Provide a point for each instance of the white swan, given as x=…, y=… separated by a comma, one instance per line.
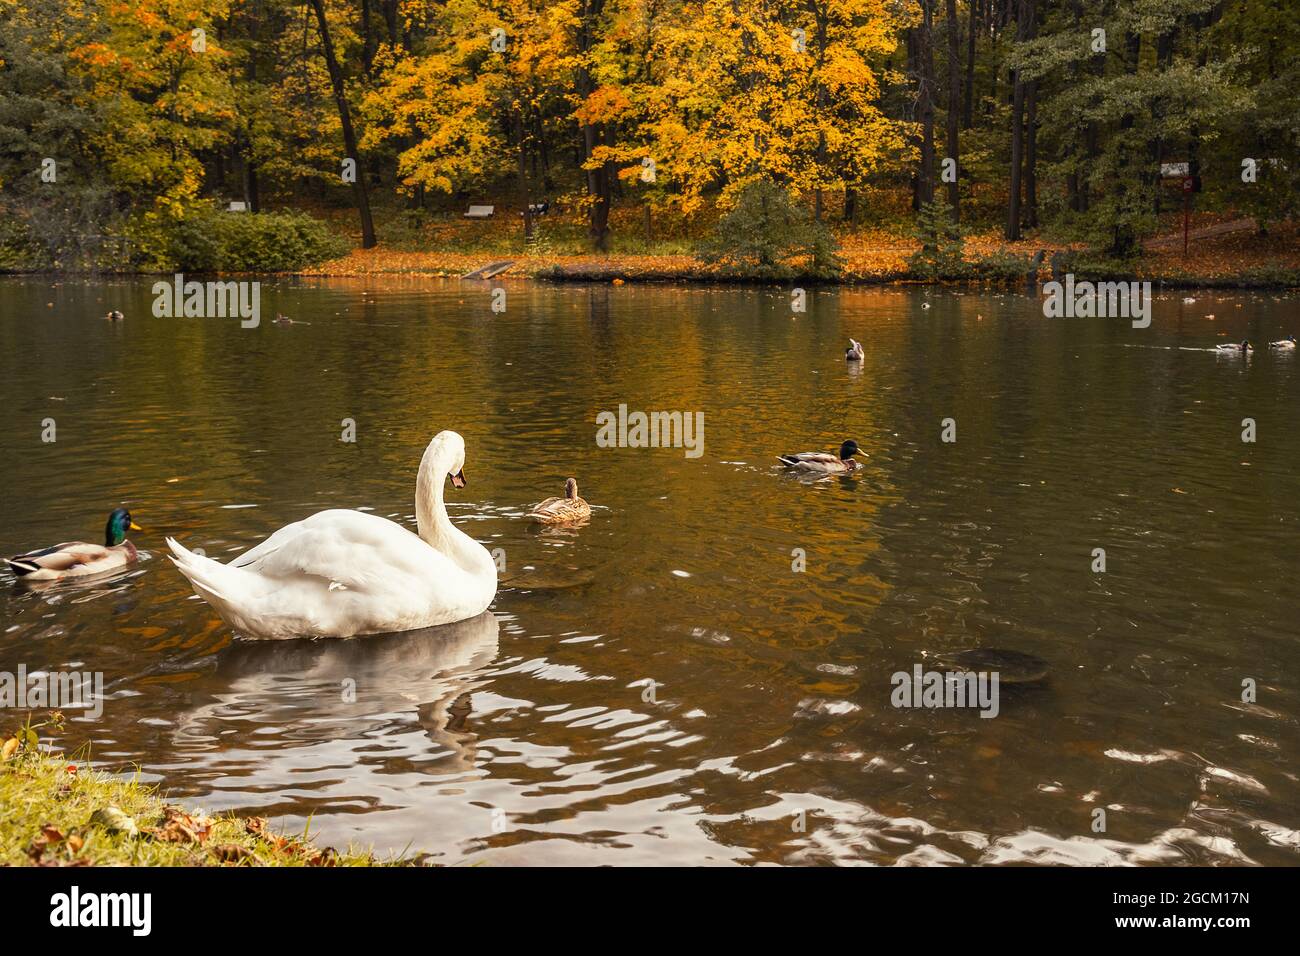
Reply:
x=340, y=573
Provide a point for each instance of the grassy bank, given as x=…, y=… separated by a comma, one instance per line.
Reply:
x=876, y=254
x=1223, y=251
x=58, y=811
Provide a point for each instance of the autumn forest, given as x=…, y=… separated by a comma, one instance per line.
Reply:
x=126, y=127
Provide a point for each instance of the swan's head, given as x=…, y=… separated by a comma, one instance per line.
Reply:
x=448, y=449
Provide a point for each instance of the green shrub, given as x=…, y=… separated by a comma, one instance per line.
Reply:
x=1001, y=266
x=20, y=251
x=275, y=242
x=942, y=244
x=211, y=240
x=768, y=235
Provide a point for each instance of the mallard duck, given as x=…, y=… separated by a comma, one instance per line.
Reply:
x=854, y=352
x=1243, y=348
x=823, y=463
x=115, y=316
x=1286, y=343
x=75, y=559
x=341, y=573
x=564, y=510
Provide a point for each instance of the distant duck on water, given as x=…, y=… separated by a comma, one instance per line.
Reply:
x=1243, y=348
x=824, y=463
x=78, y=558
x=1287, y=343
x=854, y=352
x=115, y=316
x=566, y=510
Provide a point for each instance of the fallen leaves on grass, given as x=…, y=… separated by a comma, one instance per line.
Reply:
x=326, y=857
x=177, y=826
x=52, y=847
x=232, y=853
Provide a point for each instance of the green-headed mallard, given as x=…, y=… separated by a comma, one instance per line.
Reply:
x=564, y=510
x=824, y=463
x=74, y=559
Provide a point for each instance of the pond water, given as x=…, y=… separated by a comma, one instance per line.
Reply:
x=662, y=686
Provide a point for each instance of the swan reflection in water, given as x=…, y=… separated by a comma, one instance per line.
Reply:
x=289, y=694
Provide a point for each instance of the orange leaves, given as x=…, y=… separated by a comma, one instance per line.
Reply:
x=52, y=847
x=606, y=104
x=177, y=826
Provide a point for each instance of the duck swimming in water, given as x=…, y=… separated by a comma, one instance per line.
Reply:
x=566, y=510
x=824, y=463
x=1287, y=343
x=115, y=316
x=74, y=559
x=1243, y=348
x=854, y=352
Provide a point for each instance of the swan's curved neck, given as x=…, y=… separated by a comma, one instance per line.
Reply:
x=434, y=527
x=430, y=511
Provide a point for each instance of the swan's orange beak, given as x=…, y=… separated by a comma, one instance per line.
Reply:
x=458, y=479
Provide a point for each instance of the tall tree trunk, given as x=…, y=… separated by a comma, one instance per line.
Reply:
x=252, y=192
x=599, y=187
x=1124, y=240
x=367, y=38
x=345, y=120
x=972, y=27
x=925, y=104
x=1074, y=184
x=954, y=105
x=389, y=7
x=1031, y=156
x=1024, y=18
x=525, y=192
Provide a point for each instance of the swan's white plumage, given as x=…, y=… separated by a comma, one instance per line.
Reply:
x=340, y=573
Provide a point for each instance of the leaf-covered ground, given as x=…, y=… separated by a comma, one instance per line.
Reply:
x=58, y=812
x=870, y=255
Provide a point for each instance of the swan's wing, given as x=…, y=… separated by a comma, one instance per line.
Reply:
x=349, y=548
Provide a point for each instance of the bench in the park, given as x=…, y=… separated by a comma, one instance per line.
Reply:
x=480, y=212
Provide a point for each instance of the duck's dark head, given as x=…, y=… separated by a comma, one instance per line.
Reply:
x=571, y=488
x=849, y=449
x=119, y=523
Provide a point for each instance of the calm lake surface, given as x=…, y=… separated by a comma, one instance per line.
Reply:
x=660, y=686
